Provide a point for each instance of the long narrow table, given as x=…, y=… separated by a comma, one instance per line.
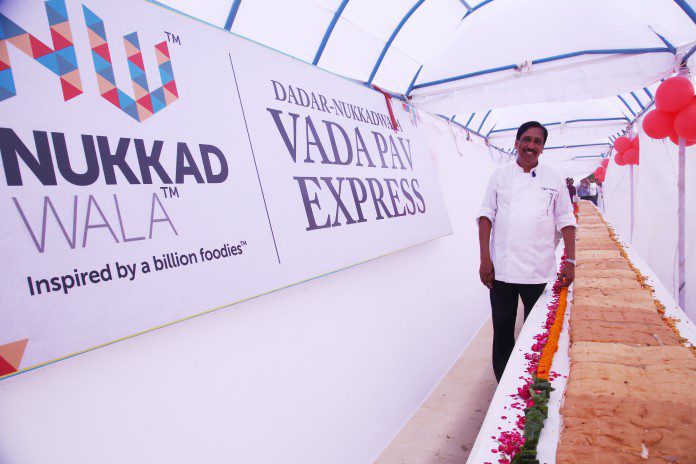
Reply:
x=502, y=416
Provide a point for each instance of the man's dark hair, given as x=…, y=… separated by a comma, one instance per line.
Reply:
x=528, y=125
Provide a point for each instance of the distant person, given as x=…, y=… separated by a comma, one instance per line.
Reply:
x=571, y=189
x=573, y=193
x=600, y=196
x=524, y=205
x=583, y=189
x=592, y=192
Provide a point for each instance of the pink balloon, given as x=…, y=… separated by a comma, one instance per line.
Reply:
x=622, y=144
x=675, y=140
x=674, y=94
x=685, y=123
x=619, y=159
x=631, y=156
x=605, y=163
x=658, y=124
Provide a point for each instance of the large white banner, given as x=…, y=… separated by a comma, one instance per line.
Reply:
x=156, y=168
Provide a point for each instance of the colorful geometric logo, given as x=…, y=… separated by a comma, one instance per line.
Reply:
x=62, y=61
x=11, y=356
x=146, y=103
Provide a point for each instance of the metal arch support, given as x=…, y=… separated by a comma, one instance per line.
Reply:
x=669, y=45
x=578, y=146
x=608, y=51
x=688, y=54
x=647, y=92
x=635, y=97
x=403, y=21
x=687, y=9
x=627, y=105
x=413, y=81
x=329, y=30
x=457, y=123
x=484, y=121
x=484, y=3
x=232, y=14
x=618, y=51
x=567, y=122
x=469, y=10
x=469, y=121
x=597, y=120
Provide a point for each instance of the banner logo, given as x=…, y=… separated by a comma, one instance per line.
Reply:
x=62, y=61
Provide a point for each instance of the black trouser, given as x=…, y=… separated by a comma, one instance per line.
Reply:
x=504, y=298
x=592, y=198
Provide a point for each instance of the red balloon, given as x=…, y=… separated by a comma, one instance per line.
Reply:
x=635, y=142
x=685, y=123
x=622, y=144
x=631, y=156
x=600, y=173
x=658, y=124
x=674, y=94
x=619, y=159
x=605, y=163
x=675, y=140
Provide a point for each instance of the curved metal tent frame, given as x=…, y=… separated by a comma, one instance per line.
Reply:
x=395, y=29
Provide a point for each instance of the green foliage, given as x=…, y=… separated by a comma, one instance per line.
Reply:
x=534, y=416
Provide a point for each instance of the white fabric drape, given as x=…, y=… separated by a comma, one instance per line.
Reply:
x=655, y=233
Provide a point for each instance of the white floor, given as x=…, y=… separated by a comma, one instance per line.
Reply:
x=443, y=430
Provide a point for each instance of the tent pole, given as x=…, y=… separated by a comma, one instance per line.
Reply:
x=681, y=209
x=681, y=213
x=633, y=196
x=633, y=205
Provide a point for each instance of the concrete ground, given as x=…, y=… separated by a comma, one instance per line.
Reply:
x=444, y=428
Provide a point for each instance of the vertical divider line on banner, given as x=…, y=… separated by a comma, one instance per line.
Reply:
x=681, y=213
x=253, y=155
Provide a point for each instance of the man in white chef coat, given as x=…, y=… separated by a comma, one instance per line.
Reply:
x=525, y=204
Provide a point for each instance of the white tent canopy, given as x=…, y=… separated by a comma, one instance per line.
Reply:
x=585, y=69
x=329, y=369
x=513, y=52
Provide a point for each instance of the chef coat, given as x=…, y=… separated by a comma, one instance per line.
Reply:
x=526, y=210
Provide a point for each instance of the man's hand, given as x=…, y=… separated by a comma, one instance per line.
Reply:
x=567, y=273
x=486, y=272
x=568, y=269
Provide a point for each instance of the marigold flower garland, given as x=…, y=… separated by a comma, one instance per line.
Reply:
x=544, y=367
x=670, y=321
x=517, y=447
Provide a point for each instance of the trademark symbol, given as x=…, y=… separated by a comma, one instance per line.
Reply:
x=173, y=38
x=242, y=243
x=170, y=192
